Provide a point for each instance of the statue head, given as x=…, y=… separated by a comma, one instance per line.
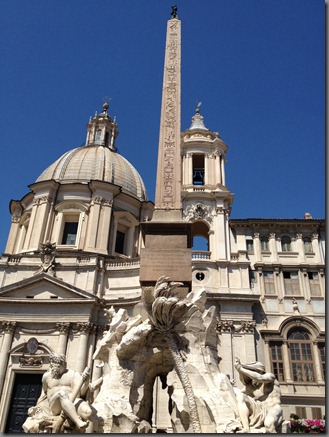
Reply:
x=57, y=364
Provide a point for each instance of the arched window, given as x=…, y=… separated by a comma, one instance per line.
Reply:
x=264, y=244
x=200, y=236
x=301, y=357
x=98, y=136
x=200, y=243
x=198, y=169
x=286, y=244
x=308, y=245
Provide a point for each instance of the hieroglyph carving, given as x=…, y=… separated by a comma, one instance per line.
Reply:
x=170, y=115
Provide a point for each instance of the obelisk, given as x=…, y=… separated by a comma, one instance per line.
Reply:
x=167, y=238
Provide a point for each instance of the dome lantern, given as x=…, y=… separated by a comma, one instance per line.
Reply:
x=102, y=130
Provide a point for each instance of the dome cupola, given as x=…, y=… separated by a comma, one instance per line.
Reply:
x=102, y=130
x=98, y=159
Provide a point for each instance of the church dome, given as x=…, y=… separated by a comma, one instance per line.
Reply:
x=88, y=163
x=98, y=159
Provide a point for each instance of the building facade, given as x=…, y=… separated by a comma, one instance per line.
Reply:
x=74, y=248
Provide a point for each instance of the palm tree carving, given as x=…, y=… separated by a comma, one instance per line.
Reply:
x=168, y=314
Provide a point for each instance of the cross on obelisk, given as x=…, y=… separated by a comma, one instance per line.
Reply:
x=167, y=237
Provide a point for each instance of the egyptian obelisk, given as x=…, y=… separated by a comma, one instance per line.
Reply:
x=167, y=237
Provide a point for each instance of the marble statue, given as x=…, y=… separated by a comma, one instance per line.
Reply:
x=63, y=404
x=176, y=341
x=169, y=347
x=259, y=402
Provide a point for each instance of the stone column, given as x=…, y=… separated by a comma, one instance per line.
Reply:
x=103, y=232
x=220, y=228
x=257, y=247
x=216, y=166
x=267, y=356
x=84, y=329
x=130, y=240
x=42, y=213
x=227, y=235
x=272, y=247
x=114, y=235
x=63, y=329
x=207, y=172
x=286, y=362
x=93, y=221
x=315, y=245
x=9, y=329
x=222, y=169
x=300, y=247
x=16, y=210
x=317, y=363
x=30, y=228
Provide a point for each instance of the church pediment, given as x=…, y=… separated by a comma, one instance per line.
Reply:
x=44, y=287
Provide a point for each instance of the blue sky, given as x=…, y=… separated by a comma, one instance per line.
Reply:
x=257, y=66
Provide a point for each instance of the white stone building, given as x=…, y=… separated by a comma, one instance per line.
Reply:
x=265, y=276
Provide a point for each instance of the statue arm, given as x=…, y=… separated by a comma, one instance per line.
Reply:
x=76, y=383
x=266, y=377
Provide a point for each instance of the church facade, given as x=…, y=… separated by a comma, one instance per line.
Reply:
x=74, y=250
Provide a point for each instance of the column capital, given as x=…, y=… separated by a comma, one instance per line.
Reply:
x=63, y=327
x=8, y=327
x=85, y=327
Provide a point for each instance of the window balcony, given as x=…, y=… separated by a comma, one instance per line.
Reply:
x=200, y=254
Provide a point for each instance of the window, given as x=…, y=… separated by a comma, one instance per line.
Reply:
x=286, y=244
x=123, y=237
x=107, y=137
x=200, y=235
x=313, y=278
x=200, y=243
x=252, y=278
x=264, y=244
x=198, y=169
x=301, y=412
x=200, y=276
x=120, y=242
x=68, y=224
x=300, y=349
x=70, y=233
x=269, y=283
x=250, y=246
x=316, y=413
x=277, y=360
x=322, y=350
x=98, y=136
x=308, y=248
x=291, y=283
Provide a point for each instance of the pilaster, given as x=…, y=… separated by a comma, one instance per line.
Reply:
x=8, y=329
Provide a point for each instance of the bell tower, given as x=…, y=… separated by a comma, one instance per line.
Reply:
x=206, y=201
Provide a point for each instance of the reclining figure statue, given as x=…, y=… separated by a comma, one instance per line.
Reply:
x=64, y=403
x=259, y=402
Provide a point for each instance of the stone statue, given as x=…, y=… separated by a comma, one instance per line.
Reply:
x=259, y=402
x=173, y=338
x=47, y=254
x=64, y=404
x=174, y=11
